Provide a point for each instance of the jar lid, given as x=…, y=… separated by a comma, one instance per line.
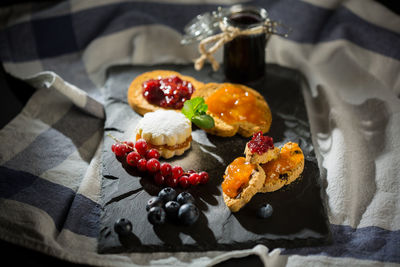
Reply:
x=203, y=26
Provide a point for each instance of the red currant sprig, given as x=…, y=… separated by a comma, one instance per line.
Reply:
x=138, y=155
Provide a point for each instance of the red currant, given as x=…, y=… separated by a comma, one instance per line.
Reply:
x=184, y=181
x=171, y=181
x=141, y=165
x=194, y=179
x=132, y=158
x=191, y=171
x=141, y=146
x=165, y=169
x=129, y=146
x=153, y=165
x=113, y=147
x=152, y=154
x=177, y=171
x=119, y=150
x=159, y=179
x=204, y=177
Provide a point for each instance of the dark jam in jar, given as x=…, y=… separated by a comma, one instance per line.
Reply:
x=244, y=56
x=169, y=92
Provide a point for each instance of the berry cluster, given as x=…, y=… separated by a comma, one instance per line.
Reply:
x=146, y=160
x=176, y=208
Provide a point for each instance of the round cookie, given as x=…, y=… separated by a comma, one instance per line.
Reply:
x=135, y=91
x=166, y=130
x=244, y=128
x=285, y=169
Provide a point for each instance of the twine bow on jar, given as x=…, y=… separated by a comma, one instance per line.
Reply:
x=228, y=33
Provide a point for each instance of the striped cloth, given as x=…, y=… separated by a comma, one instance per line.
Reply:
x=50, y=154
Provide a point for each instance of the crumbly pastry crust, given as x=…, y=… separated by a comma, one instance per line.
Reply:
x=259, y=182
x=254, y=158
x=285, y=178
x=135, y=90
x=256, y=181
x=244, y=128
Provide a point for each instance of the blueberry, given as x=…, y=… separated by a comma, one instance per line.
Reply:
x=172, y=208
x=185, y=197
x=156, y=215
x=188, y=214
x=167, y=194
x=154, y=202
x=123, y=226
x=265, y=211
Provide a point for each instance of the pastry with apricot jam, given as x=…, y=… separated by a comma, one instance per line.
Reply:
x=160, y=89
x=242, y=180
x=285, y=169
x=235, y=108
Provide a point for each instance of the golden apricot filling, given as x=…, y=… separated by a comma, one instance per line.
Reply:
x=163, y=147
x=234, y=104
x=237, y=175
x=290, y=156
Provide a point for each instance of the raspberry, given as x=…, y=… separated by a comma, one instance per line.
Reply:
x=132, y=158
x=204, y=177
x=141, y=165
x=141, y=146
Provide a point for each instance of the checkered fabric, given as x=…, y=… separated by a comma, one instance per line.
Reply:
x=50, y=154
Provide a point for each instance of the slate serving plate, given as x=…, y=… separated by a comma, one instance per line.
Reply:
x=299, y=217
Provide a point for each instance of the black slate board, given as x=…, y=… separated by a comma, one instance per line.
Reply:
x=299, y=217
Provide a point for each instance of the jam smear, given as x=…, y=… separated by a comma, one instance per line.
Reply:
x=237, y=175
x=169, y=92
x=260, y=144
x=289, y=157
x=233, y=104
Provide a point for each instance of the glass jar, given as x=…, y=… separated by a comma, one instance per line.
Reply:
x=244, y=56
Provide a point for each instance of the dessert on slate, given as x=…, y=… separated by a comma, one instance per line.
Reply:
x=285, y=169
x=167, y=131
x=160, y=89
x=235, y=109
x=264, y=169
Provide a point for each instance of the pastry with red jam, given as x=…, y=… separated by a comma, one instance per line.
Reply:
x=160, y=89
x=260, y=149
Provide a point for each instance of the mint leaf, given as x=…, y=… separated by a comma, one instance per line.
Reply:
x=203, y=121
x=188, y=110
x=195, y=110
